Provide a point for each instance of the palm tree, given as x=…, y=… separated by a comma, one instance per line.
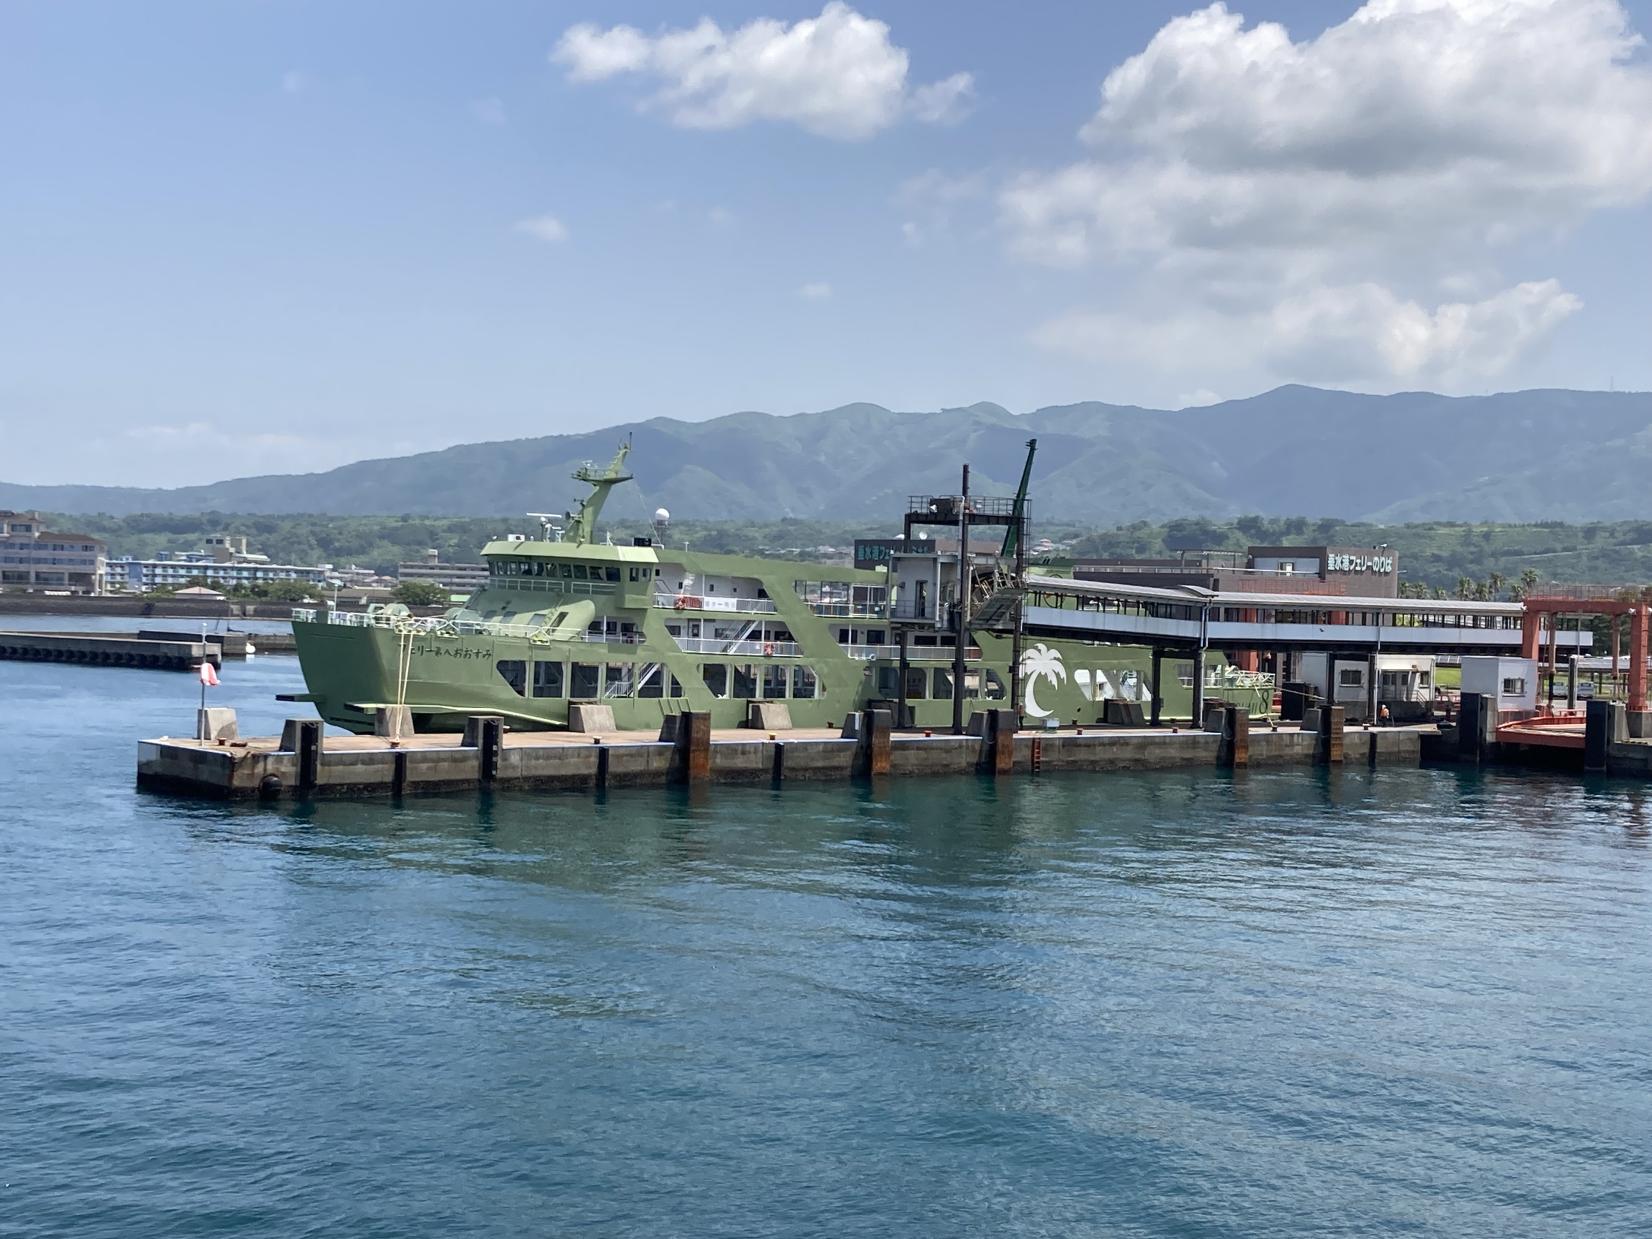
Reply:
x=1040, y=662
x=1465, y=588
x=1495, y=583
x=1528, y=582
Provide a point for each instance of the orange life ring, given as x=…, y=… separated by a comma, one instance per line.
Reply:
x=768, y=649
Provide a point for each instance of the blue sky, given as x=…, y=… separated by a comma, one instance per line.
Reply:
x=263, y=237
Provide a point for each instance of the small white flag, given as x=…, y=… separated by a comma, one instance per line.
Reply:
x=209, y=674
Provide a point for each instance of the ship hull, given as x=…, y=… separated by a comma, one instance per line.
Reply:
x=354, y=672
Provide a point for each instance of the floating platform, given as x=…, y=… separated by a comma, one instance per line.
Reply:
x=302, y=763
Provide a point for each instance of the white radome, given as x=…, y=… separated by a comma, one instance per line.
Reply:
x=661, y=516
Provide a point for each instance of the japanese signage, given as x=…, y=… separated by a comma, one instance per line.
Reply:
x=1359, y=563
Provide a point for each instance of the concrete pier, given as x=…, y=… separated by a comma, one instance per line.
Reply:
x=303, y=763
x=108, y=650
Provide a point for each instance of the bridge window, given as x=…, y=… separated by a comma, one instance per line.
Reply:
x=611, y=572
x=619, y=681
x=943, y=684
x=745, y=683
x=995, y=687
x=774, y=682
x=916, y=682
x=804, y=684
x=716, y=678
x=587, y=681
x=549, y=679
x=514, y=671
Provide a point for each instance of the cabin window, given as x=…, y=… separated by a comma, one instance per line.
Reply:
x=1424, y=680
x=745, y=682
x=514, y=671
x=611, y=572
x=804, y=684
x=620, y=680
x=876, y=636
x=774, y=681
x=587, y=681
x=567, y=571
x=579, y=572
x=943, y=685
x=1514, y=686
x=549, y=680
x=716, y=678
x=651, y=681
x=1350, y=677
x=632, y=574
x=889, y=681
x=916, y=682
x=676, y=687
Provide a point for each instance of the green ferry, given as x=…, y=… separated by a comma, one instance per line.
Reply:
x=650, y=630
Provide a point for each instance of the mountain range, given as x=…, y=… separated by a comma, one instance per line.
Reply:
x=1514, y=456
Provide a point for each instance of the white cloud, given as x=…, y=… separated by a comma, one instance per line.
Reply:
x=931, y=199
x=1252, y=178
x=546, y=228
x=1198, y=399
x=945, y=102
x=836, y=75
x=489, y=111
x=816, y=291
x=1329, y=334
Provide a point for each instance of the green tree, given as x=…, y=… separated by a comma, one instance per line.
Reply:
x=421, y=594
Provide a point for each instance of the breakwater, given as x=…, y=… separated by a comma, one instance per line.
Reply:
x=154, y=652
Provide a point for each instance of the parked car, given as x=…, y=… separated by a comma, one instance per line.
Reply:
x=1557, y=688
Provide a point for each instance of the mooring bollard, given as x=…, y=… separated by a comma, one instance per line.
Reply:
x=1328, y=748
x=1234, y=749
x=303, y=737
x=486, y=734
x=692, y=759
x=875, y=739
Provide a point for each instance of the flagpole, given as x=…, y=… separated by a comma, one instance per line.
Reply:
x=200, y=715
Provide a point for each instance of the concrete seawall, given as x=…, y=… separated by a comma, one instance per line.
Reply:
x=302, y=764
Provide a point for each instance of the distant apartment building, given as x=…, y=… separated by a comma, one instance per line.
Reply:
x=33, y=557
x=224, y=562
x=455, y=578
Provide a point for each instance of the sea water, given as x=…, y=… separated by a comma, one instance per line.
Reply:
x=1271, y=1003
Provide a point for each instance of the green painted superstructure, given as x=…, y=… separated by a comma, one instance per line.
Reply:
x=648, y=630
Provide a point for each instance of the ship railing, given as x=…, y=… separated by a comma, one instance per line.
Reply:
x=916, y=653
x=702, y=602
x=442, y=626
x=549, y=585
x=754, y=649
x=849, y=610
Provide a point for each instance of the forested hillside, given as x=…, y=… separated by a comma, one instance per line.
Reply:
x=1437, y=555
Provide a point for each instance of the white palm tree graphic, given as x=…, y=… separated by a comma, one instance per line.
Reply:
x=1041, y=663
